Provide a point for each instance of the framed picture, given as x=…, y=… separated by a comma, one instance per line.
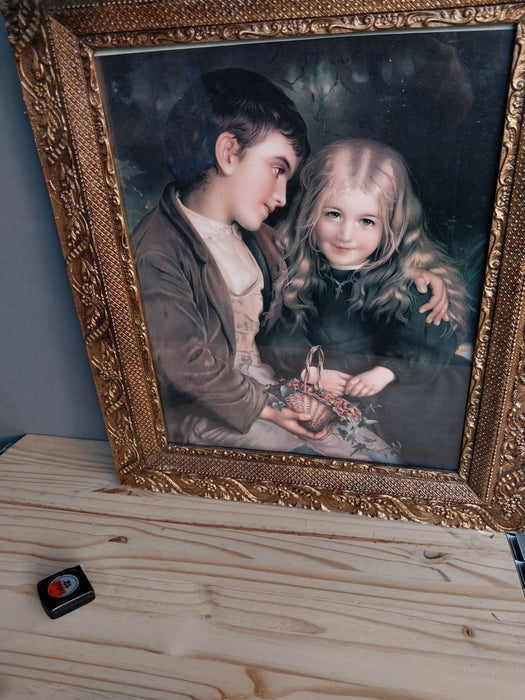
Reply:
x=294, y=235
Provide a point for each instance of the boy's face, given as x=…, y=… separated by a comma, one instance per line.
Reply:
x=257, y=183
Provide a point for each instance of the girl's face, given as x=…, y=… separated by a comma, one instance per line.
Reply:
x=349, y=229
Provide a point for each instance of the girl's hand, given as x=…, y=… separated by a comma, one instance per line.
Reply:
x=290, y=421
x=330, y=380
x=437, y=305
x=370, y=382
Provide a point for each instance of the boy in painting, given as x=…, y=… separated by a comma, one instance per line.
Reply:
x=205, y=262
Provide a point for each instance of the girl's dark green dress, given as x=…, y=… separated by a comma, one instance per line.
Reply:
x=423, y=410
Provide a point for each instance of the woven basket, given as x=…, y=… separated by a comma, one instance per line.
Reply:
x=304, y=401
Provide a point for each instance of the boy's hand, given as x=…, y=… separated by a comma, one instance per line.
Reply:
x=330, y=380
x=437, y=305
x=290, y=420
x=370, y=382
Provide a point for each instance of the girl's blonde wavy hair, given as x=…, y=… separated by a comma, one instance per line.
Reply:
x=382, y=291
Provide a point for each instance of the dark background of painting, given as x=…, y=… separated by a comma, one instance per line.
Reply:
x=439, y=97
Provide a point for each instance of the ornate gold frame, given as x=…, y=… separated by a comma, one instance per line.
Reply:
x=54, y=43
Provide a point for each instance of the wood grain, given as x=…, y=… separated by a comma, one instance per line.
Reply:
x=207, y=599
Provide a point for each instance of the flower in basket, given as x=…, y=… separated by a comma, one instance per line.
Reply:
x=323, y=406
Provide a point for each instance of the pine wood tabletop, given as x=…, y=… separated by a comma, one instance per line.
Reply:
x=206, y=600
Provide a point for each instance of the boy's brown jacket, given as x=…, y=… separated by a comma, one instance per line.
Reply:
x=189, y=320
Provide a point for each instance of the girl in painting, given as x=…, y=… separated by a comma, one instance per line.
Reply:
x=353, y=240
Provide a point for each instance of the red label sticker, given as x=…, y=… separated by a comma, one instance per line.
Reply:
x=62, y=585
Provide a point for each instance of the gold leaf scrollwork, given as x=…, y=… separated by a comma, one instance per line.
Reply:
x=25, y=31
x=509, y=498
x=22, y=18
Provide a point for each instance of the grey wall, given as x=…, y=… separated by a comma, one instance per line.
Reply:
x=46, y=385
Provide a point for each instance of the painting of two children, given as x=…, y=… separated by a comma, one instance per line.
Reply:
x=232, y=305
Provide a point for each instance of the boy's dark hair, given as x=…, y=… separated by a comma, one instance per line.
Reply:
x=239, y=101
